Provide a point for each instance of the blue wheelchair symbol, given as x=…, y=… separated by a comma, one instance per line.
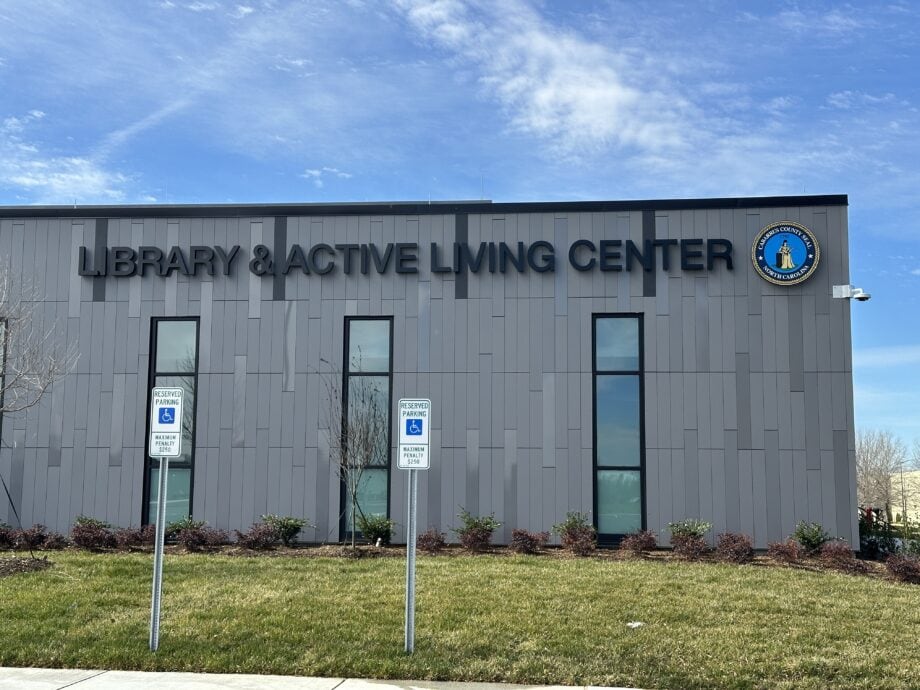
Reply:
x=414, y=427
x=167, y=415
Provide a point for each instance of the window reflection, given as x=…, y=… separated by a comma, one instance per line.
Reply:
x=617, y=415
x=176, y=346
x=372, y=495
x=178, y=493
x=368, y=403
x=175, y=351
x=617, y=346
x=619, y=501
x=368, y=346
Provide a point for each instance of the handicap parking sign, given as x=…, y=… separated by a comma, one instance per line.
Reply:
x=414, y=427
x=167, y=415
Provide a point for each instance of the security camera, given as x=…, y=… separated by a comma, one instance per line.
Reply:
x=851, y=292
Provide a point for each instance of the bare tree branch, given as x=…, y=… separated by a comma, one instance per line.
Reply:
x=358, y=434
x=880, y=458
x=32, y=357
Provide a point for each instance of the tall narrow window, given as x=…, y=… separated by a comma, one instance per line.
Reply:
x=619, y=453
x=366, y=392
x=173, y=364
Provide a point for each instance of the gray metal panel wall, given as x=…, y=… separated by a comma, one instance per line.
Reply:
x=745, y=423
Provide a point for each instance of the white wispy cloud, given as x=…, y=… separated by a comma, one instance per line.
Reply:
x=574, y=94
x=892, y=356
x=850, y=99
x=123, y=135
x=838, y=21
x=316, y=175
x=915, y=272
x=241, y=11
x=42, y=177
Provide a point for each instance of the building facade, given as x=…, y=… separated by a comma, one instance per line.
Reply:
x=639, y=361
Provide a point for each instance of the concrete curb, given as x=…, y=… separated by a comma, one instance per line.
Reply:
x=58, y=679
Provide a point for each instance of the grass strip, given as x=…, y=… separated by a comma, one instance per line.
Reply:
x=511, y=619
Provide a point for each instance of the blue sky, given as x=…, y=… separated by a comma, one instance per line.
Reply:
x=180, y=101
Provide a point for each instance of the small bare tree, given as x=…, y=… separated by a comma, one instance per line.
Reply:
x=879, y=457
x=32, y=355
x=31, y=358
x=357, y=425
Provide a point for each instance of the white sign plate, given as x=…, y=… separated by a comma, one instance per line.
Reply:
x=413, y=457
x=166, y=423
x=414, y=424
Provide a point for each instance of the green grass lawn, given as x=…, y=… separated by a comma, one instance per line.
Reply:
x=487, y=618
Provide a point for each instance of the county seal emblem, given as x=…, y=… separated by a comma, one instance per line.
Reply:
x=785, y=253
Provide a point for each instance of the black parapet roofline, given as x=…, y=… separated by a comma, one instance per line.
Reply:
x=412, y=208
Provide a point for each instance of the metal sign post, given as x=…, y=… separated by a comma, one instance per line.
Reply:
x=411, y=537
x=414, y=424
x=158, y=557
x=165, y=443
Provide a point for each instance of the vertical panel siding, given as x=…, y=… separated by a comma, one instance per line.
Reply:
x=748, y=390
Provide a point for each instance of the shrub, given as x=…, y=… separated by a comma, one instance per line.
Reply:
x=577, y=534
x=876, y=534
x=37, y=537
x=54, y=542
x=904, y=568
x=910, y=547
x=639, y=543
x=735, y=548
x=6, y=536
x=173, y=528
x=90, y=533
x=375, y=527
x=260, y=536
x=201, y=538
x=838, y=554
x=288, y=527
x=690, y=527
x=476, y=532
x=688, y=538
x=811, y=535
x=788, y=551
x=31, y=538
x=431, y=541
x=690, y=547
x=523, y=541
x=136, y=537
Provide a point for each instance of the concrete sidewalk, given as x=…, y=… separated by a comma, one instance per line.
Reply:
x=57, y=679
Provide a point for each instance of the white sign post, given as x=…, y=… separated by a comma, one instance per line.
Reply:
x=165, y=443
x=414, y=427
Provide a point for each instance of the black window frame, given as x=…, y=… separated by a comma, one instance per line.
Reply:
x=612, y=539
x=152, y=374
x=347, y=374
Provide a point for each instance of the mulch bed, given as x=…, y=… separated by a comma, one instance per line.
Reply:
x=872, y=569
x=12, y=566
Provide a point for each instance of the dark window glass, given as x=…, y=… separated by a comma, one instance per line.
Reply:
x=619, y=501
x=369, y=346
x=187, y=384
x=617, y=413
x=617, y=347
x=367, y=397
x=618, y=453
x=174, y=360
x=372, y=495
x=178, y=492
x=369, y=402
x=176, y=346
